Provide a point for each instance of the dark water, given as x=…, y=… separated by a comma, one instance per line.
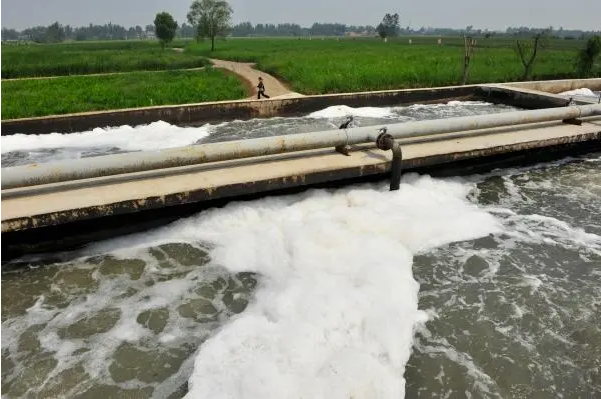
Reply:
x=519, y=313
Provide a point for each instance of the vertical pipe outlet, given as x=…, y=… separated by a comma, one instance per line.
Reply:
x=386, y=142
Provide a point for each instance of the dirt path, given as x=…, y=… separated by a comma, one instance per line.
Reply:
x=246, y=70
x=273, y=87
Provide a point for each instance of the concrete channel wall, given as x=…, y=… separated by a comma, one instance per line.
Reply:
x=212, y=112
x=558, y=86
x=61, y=217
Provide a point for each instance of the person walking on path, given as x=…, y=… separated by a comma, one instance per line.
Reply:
x=261, y=88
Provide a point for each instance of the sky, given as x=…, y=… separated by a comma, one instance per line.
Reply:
x=482, y=14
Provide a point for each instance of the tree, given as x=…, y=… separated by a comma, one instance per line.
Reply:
x=9, y=34
x=165, y=28
x=469, y=43
x=527, y=51
x=389, y=26
x=588, y=55
x=55, y=33
x=211, y=18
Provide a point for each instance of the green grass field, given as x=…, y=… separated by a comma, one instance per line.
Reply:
x=78, y=58
x=39, y=97
x=308, y=66
x=346, y=65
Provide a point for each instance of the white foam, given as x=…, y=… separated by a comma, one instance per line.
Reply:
x=584, y=92
x=337, y=303
x=452, y=104
x=153, y=136
x=339, y=111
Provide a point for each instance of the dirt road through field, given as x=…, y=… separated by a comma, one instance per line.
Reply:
x=273, y=87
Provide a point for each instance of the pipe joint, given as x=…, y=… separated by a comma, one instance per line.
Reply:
x=384, y=141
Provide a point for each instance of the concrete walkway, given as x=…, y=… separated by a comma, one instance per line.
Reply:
x=273, y=87
x=196, y=183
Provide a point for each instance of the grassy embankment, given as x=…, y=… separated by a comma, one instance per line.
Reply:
x=68, y=94
x=39, y=97
x=330, y=66
x=80, y=58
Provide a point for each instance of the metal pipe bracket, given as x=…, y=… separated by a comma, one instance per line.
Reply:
x=384, y=141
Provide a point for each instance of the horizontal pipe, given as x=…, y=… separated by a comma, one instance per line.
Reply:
x=158, y=173
x=107, y=165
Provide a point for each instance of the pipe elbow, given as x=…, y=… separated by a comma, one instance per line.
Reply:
x=396, y=148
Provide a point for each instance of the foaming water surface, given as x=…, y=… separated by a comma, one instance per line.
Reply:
x=21, y=149
x=483, y=286
x=518, y=314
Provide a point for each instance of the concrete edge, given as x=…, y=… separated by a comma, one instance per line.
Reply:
x=218, y=111
x=526, y=98
x=285, y=182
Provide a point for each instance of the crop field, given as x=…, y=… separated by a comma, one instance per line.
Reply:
x=346, y=65
x=78, y=58
x=317, y=66
x=39, y=97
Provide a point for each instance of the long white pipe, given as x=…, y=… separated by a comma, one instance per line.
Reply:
x=52, y=172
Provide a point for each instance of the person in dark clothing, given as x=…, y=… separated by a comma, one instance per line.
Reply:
x=261, y=91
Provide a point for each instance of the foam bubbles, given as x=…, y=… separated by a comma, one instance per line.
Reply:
x=451, y=107
x=339, y=111
x=146, y=137
x=335, y=313
x=584, y=92
x=336, y=306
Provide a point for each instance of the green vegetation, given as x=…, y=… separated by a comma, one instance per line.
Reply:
x=588, y=56
x=38, y=97
x=389, y=27
x=211, y=18
x=165, y=27
x=309, y=66
x=330, y=66
x=92, y=57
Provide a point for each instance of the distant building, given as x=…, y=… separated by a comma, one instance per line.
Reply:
x=357, y=34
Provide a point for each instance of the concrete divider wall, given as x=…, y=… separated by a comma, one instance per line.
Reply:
x=526, y=98
x=558, y=86
x=211, y=112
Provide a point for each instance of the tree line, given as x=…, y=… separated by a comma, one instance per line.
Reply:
x=212, y=18
x=57, y=32
x=247, y=29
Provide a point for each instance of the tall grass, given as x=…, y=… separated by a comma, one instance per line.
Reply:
x=40, y=97
x=92, y=57
x=330, y=65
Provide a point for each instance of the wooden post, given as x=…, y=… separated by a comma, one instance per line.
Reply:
x=469, y=43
